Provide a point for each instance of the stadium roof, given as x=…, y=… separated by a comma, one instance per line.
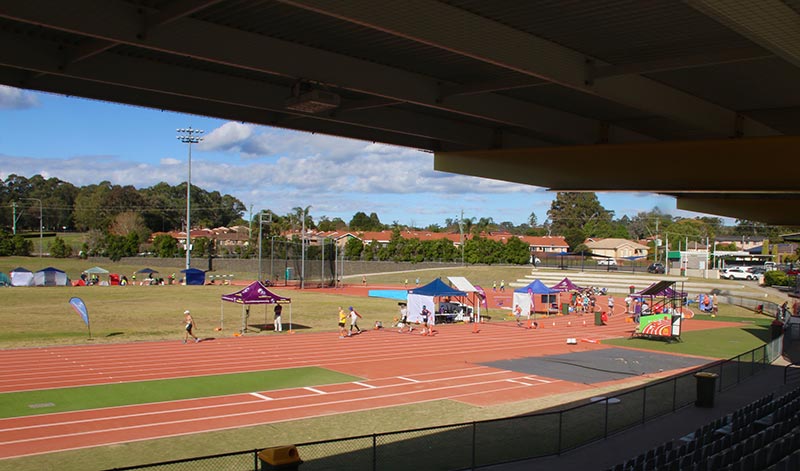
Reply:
x=677, y=98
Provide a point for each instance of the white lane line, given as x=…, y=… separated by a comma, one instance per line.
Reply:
x=519, y=382
x=365, y=385
x=279, y=409
x=261, y=396
x=191, y=408
x=537, y=379
x=408, y=379
x=308, y=388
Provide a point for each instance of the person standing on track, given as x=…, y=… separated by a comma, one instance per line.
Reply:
x=189, y=322
x=277, y=324
x=424, y=315
x=610, y=305
x=342, y=323
x=354, y=317
x=404, y=318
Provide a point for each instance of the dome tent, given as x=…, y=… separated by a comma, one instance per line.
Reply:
x=21, y=277
x=50, y=277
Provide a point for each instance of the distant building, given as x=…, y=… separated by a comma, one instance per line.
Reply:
x=743, y=243
x=616, y=248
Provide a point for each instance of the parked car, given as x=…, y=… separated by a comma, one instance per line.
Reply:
x=656, y=268
x=737, y=273
x=607, y=262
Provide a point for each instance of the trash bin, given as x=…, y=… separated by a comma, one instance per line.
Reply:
x=565, y=308
x=776, y=329
x=598, y=318
x=631, y=289
x=706, y=388
x=280, y=457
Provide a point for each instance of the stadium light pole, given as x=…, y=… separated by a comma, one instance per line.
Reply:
x=303, y=250
x=41, y=223
x=189, y=136
x=260, y=222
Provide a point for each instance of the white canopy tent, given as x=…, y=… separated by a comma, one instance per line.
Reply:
x=462, y=284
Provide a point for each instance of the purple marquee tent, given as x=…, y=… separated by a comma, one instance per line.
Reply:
x=566, y=285
x=254, y=293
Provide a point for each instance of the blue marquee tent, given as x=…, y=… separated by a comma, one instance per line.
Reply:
x=425, y=295
x=194, y=276
x=524, y=297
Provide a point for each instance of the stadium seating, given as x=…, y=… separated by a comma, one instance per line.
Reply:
x=763, y=435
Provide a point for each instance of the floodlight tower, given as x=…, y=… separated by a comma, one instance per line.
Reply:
x=189, y=136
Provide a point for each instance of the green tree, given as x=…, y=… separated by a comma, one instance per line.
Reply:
x=14, y=245
x=165, y=246
x=574, y=237
x=573, y=212
x=353, y=248
x=59, y=249
x=516, y=251
x=360, y=222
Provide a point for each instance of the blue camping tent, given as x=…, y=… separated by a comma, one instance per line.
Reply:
x=425, y=296
x=436, y=288
x=194, y=276
x=529, y=297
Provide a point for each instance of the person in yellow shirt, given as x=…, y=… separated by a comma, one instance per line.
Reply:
x=342, y=323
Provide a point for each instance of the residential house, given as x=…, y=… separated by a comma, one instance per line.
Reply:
x=617, y=248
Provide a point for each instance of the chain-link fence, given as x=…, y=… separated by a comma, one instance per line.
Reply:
x=477, y=444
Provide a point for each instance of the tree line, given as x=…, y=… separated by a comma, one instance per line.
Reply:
x=118, y=220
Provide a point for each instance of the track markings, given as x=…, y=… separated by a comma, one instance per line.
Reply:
x=314, y=390
x=408, y=379
x=261, y=396
x=365, y=385
x=540, y=380
x=519, y=382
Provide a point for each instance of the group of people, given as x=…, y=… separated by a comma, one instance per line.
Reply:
x=585, y=301
x=189, y=324
x=502, y=285
x=427, y=321
x=353, y=316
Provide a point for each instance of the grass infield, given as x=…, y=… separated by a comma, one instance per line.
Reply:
x=16, y=404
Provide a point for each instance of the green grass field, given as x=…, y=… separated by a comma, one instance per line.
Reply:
x=16, y=404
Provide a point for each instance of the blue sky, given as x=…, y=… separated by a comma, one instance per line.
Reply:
x=85, y=141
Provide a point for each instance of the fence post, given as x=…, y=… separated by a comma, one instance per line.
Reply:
x=719, y=385
x=738, y=369
x=560, y=425
x=605, y=427
x=674, y=393
x=474, y=443
x=255, y=459
x=644, y=403
x=374, y=452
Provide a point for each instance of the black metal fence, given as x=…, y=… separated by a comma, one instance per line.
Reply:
x=478, y=444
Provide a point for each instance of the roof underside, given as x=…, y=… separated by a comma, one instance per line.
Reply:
x=500, y=89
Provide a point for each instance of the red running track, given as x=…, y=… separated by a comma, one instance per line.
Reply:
x=396, y=369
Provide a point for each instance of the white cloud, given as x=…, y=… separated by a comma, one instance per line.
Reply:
x=15, y=99
x=228, y=137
